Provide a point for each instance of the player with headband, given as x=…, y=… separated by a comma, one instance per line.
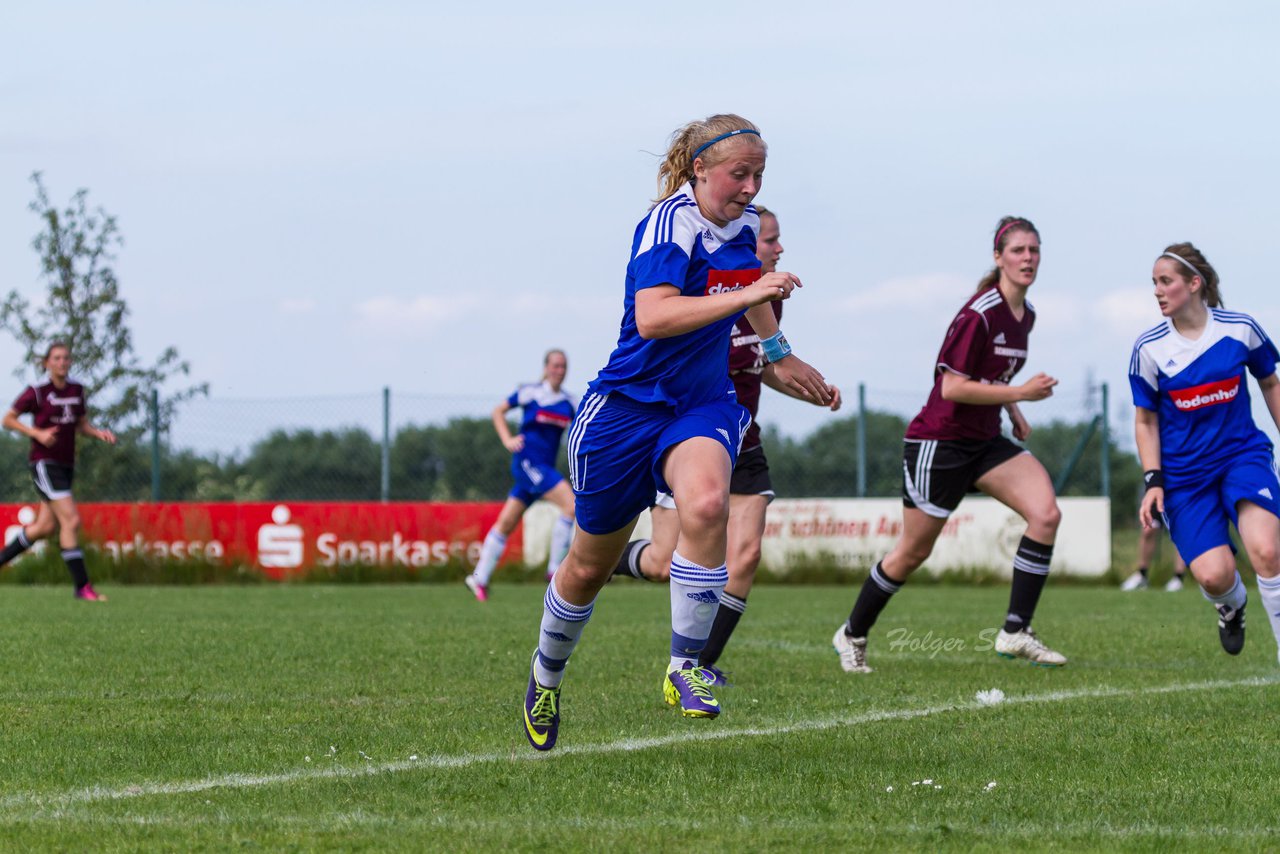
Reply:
x=954, y=446
x=1206, y=462
x=750, y=488
x=661, y=415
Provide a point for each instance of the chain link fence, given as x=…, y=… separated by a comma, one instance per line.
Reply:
x=397, y=446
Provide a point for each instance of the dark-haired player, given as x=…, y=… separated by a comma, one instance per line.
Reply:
x=954, y=447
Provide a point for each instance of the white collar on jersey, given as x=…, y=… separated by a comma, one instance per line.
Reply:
x=724, y=234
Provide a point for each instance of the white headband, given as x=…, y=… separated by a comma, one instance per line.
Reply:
x=1186, y=264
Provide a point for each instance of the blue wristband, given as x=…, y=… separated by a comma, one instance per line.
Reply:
x=775, y=347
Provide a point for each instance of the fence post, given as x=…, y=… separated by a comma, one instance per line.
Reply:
x=155, y=444
x=1106, y=442
x=386, y=443
x=862, y=440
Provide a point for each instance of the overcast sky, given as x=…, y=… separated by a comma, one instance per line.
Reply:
x=327, y=198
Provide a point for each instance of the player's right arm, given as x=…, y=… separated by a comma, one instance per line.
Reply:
x=1146, y=432
x=44, y=436
x=513, y=443
x=663, y=312
x=958, y=388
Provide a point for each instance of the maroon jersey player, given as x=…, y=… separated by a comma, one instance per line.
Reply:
x=56, y=405
x=954, y=447
x=750, y=486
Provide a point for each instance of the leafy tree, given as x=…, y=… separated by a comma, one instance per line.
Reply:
x=343, y=465
x=459, y=461
x=84, y=309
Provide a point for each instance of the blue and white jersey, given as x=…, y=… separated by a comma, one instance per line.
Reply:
x=544, y=416
x=1198, y=389
x=676, y=245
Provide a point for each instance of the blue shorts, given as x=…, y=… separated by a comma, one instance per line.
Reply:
x=616, y=447
x=533, y=480
x=1197, y=516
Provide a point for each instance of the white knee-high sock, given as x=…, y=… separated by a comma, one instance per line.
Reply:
x=561, y=534
x=494, y=545
x=695, y=597
x=562, y=626
x=1269, y=593
x=1234, y=598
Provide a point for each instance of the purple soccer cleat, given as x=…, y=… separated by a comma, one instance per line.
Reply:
x=541, y=713
x=689, y=689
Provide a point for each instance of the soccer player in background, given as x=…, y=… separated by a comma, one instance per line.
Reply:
x=750, y=487
x=954, y=446
x=661, y=415
x=546, y=411
x=57, y=404
x=1206, y=462
x=1148, y=537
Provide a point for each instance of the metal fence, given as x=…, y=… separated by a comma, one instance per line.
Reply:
x=386, y=445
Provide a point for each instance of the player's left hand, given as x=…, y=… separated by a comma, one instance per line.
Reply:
x=107, y=436
x=804, y=379
x=834, y=405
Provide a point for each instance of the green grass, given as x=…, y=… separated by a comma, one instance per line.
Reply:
x=112, y=716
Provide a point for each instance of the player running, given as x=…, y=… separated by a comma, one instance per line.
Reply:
x=750, y=488
x=57, y=404
x=954, y=447
x=661, y=415
x=1206, y=461
x=546, y=411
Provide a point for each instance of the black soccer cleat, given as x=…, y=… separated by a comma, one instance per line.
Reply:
x=1231, y=629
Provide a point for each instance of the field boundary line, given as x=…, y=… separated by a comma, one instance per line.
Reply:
x=94, y=794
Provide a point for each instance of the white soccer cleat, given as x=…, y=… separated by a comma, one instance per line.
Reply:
x=1173, y=585
x=852, y=652
x=1137, y=581
x=1025, y=644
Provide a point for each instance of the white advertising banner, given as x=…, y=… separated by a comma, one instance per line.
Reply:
x=853, y=533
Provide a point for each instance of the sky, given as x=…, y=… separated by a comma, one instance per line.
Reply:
x=324, y=199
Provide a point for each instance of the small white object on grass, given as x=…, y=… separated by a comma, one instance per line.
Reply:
x=989, y=698
x=888, y=788
x=991, y=785
x=413, y=758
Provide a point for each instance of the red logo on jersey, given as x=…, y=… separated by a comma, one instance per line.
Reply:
x=1209, y=394
x=724, y=281
x=546, y=416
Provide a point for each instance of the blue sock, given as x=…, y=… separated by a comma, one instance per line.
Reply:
x=695, y=597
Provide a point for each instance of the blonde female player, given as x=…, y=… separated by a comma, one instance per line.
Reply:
x=546, y=411
x=954, y=446
x=750, y=488
x=1207, y=464
x=57, y=406
x=661, y=416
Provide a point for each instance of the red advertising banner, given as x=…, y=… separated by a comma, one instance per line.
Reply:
x=286, y=537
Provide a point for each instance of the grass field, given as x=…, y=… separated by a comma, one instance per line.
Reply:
x=387, y=717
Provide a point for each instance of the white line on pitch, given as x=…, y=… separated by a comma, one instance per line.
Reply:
x=248, y=781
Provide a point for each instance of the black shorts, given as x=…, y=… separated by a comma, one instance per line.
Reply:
x=52, y=480
x=751, y=475
x=938, y=473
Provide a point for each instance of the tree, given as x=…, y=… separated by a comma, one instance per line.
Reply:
x=84, y=309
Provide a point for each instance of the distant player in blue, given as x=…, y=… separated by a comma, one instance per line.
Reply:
x=546, y=412
x=1206, y=463
x=661, y=415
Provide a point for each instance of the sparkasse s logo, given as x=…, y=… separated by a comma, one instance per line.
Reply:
x=1209, y=394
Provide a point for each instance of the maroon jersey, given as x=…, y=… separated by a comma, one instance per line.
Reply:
x=54, y=407
x=746, y=365
x=985, y=343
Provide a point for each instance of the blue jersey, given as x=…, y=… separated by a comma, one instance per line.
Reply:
x=1198, y=390
x=545, y=414
x=676, y=245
